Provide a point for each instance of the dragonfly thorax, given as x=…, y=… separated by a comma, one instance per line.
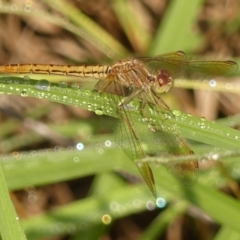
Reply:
x=126, y=66
x=130, y=73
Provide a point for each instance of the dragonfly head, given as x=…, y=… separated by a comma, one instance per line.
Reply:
x=163, y=82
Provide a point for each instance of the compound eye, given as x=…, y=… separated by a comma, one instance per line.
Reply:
x=163, y=82
x=164, y=78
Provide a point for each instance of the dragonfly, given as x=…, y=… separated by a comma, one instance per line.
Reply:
x=145, y=79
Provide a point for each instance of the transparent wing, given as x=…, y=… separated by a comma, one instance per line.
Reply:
x=209, y=69
x=141, y=139
x=112, y=87
x=179, y=67
x=175, y=63
x=172, y=144
x=129, y=138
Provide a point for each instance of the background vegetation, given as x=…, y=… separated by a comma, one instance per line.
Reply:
x=67, y=177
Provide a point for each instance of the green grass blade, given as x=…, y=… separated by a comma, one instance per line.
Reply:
x=189, y=126
x=10, y=227
x=132, y=25
x=227, y=233
x=211, y=201
x=175, y=32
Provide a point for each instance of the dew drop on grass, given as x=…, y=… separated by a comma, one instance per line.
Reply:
x=106, y=219
x=114, y=206
x=24, y=93
x=108, y=143
x=75, y=85
x=26, y=77
x=43, y=85
x=13, y=7
x=80, y=146
x=161, y=202
x=100, y=151
x=150, y=205
x=137, y=203
x=99, y=112
x=27, y=9
x=177, y=113
x=212, y=83
x=62, y=84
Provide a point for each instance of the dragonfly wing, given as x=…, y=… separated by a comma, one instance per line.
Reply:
x=178, y=66
x=174, y=62
x=112, y=87
x=186, y=173
x=147, y=175
x=168, y=142
x=209, y=69
x=127, y=135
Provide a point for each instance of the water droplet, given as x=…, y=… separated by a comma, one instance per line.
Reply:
x=229, y=86
x=236, y=137
x=114, y=206
x=100, y=151
x=13, y=7
x=16, y=81
x=65, y=98
x=62, y=84
x=161, y=202
x=43, y=85
x=9, y=81
x=212, y=83
x=80, y=146
x=75, y=85
x=137, y=203
x=76, y=159
x=203, y=119
x=24, y=93
x=202, y=125
x=15, y=154
x=167, y=116
x=152, y=127
x=99, y=112
x=214, y=157
x=150, y=205
x=27, y=9
x=177, y=113
x=106, y=219
x=108, y=143
x=26, y=77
